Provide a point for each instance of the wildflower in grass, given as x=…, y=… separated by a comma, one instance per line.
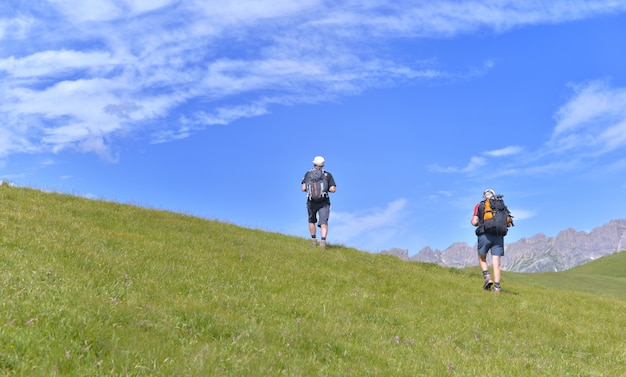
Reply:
x=451, y=368
x=396, y=339
x=67, y=354
x=298, y=320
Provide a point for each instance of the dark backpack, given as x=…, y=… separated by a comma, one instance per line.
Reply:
x=494, y=216
x=316, y=183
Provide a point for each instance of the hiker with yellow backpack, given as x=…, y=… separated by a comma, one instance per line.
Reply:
x=492, y=220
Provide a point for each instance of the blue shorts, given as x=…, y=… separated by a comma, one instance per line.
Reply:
x=322, y=208
x=490, y=242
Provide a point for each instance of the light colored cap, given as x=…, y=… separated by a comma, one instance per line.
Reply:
x=489, y=193
x=319, y=161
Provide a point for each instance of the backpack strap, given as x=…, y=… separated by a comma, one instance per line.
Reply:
x=480, y=229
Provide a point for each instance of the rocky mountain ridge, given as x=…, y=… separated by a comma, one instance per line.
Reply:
x=570, y=248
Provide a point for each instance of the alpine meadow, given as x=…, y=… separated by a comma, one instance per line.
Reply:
x=98, y=288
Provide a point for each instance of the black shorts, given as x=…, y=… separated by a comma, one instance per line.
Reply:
x=322, y=208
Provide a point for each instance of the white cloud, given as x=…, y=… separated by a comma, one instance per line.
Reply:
x=591, y=123
x=521, y=214
x=511, y=150
x=375, y=225
x=592, y=120
x=475, y=163
x=614, y=137
x=93, y=10
x=251, y=10
x=592, y=102
x=449, y=18
x=141, y=6
x=46, y=63
x=94, y=68
x=221, y=116
x=15, y=27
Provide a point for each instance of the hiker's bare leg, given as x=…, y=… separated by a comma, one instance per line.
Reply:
x=312, y=229
x=324, y=230
x=495, y=261
x=482, y=262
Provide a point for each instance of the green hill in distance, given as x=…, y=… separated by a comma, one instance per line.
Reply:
x=605, y=276
x=95, y=288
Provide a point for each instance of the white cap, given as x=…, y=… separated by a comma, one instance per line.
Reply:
x=319, y=161
x=489, y=193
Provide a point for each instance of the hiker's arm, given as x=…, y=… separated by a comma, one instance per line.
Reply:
x=475, y=220
x=304, y=187
x=331, y=183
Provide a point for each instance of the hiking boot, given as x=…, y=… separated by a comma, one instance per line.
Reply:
x=488, y=283
x=322, y=244
x=313, y=242
x=496, y=290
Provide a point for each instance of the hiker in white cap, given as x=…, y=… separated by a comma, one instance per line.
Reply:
x=318, y=183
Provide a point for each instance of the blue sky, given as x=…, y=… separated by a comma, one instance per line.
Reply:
x=217, y=108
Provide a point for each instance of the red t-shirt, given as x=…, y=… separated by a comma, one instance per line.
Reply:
x=476, y=209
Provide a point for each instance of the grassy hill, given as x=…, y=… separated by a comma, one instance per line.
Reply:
x=93, y=288
x=605, y=277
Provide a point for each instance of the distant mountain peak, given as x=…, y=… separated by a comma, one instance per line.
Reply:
x=539, y=253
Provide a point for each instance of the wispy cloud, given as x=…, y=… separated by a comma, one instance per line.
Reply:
x=449, y=18
x=589, y=124
x=477, y=162
x=375, y=225
x=593, y=120
x=521, y=214
x=55, y=63
x=16, y=27
x=80, y=74
x=507, y=151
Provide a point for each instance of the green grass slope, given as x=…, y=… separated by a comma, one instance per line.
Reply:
x=610, y=266
x=605, y=276
x=91, y=288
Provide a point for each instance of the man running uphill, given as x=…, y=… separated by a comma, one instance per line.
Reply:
x=317, y=183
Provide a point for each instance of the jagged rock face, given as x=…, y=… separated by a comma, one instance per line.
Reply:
x=570, y=248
